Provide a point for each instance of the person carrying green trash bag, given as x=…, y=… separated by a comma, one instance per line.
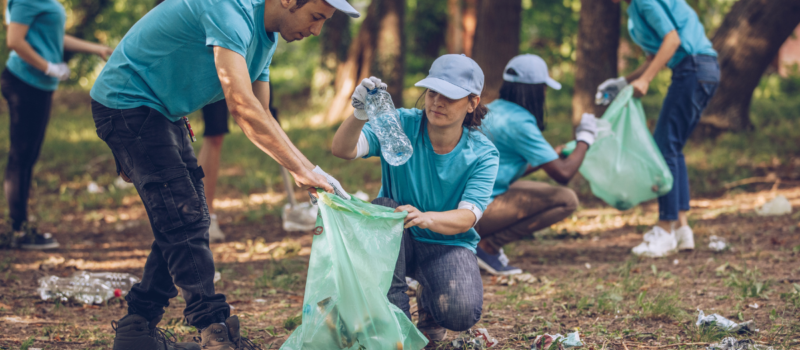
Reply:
x=181, y=56
x=671, y=34
x=444, y=186
x=515, y=124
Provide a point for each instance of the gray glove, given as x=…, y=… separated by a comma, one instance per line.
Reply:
x=359, y=96
x=612, y=87
x=337, y=187
x=587, y=129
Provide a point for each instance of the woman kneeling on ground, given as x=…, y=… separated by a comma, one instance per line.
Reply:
x=444, y=187
x=515, y=124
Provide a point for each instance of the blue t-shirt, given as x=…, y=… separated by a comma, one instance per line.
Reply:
x=166, y=60
x=650, y=20
x=518, y=139
x=438, y=182
x=45, y=20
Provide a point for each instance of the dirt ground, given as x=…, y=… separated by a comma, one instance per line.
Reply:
x=586, y=280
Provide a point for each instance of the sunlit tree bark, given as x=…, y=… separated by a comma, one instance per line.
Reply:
x=747, y=42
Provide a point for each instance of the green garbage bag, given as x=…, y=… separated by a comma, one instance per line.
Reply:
x=353, y=255
x=624, y=166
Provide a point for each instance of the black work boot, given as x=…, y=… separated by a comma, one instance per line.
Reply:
x=216, y=337
x=135, y=333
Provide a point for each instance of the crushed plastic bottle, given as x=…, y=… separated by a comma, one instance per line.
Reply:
x=717, y=244
x=396, y=148
x=86, y=287
x=606, y=96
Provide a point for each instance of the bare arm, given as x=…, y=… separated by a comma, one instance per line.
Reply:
x=638, y=72
x=74, y=44
x=257, y=125
x=346, y=138
x=451, y=222
x=16, y=41
x=562, y=170
x=668, y=48
x=261, y=91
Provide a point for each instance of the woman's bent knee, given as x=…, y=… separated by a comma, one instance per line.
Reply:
x=386, y=202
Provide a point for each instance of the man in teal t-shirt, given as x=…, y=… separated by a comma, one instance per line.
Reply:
x=670, y=33
x=181, y=56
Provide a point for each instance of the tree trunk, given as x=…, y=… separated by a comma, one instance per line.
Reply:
x=356, y=67
x=454, y=39
x=496, y=41
x=747, y=41
x=334, y=41
x=469, y=21
x=598, y=42
x=389, y=64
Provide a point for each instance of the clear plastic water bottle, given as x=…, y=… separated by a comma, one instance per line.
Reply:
x=86, y=287
x=395, y=146
x=606, y=96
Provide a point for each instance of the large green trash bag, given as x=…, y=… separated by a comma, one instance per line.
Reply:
x=624, y=166
x=353, y=256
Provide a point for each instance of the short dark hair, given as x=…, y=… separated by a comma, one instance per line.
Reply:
x=528, y=96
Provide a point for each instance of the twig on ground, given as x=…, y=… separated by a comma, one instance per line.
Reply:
x=771, y=177
x=665, y=346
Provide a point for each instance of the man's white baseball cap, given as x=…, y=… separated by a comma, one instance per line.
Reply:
x=344, y=6
x=529, y=69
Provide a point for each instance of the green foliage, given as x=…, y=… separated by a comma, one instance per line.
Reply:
x=293, y=322
x=748, y=284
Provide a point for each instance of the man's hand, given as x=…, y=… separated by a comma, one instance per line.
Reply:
x=612, y=87
x=310, y=181
x=587, y=129
x=415, y=217
x=337, y=187
x=640, y=87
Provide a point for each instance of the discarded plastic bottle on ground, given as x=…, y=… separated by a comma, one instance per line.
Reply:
x=395, y=145
x=87, y=287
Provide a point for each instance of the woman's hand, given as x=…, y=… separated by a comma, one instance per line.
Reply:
x=640, y=87
x=415, y=217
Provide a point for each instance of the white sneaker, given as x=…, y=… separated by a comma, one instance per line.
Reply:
x=657, y=243
x=215, y=235
x=685, y=237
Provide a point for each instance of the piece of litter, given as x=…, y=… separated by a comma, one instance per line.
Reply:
x=361, y=195
x=478, y=339
x=717, y=244
x=260, y=300
x=301, y=217
x=724, y=323
x=217, y=276
x=122, y=184
x=545, y=341
x=588, y=266
x=93, y=187
x=675, y=262
x=412, y=284
x=777, y=206
x=753, y=306
x=513, y=279
x=730, y=343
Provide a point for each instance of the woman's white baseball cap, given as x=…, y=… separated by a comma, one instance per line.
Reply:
x=529, y=69
x=454, y=76
x=344, y=6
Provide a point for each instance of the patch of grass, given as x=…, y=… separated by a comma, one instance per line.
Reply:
x=293, y=322
x=748, y=284
x=280, y=275
x=27, y=343
x=662, y=306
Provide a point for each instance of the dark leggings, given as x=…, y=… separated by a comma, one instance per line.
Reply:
x=29, y=113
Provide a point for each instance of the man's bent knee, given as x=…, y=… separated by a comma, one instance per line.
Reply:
x=461, y=318
x=568, y=198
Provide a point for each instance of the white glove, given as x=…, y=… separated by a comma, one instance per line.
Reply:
x=58, y=70
x=587, y=129
x=611, y=87
x=337, y=187
x=360, y=96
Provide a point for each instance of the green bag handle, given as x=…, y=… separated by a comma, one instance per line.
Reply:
x=355, y=205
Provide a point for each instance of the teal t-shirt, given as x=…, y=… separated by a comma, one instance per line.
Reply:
x=166, y=60
x=650, y=20
x=518, y=139
x=45, y=20
x=438, y=182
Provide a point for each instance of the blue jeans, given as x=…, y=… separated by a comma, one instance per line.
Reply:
x=157, y=156
x=694, y=82
x=452, y=289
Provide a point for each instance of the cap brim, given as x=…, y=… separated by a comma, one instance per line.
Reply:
x=553, y=84
x=447, y=89
x=344, y=6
